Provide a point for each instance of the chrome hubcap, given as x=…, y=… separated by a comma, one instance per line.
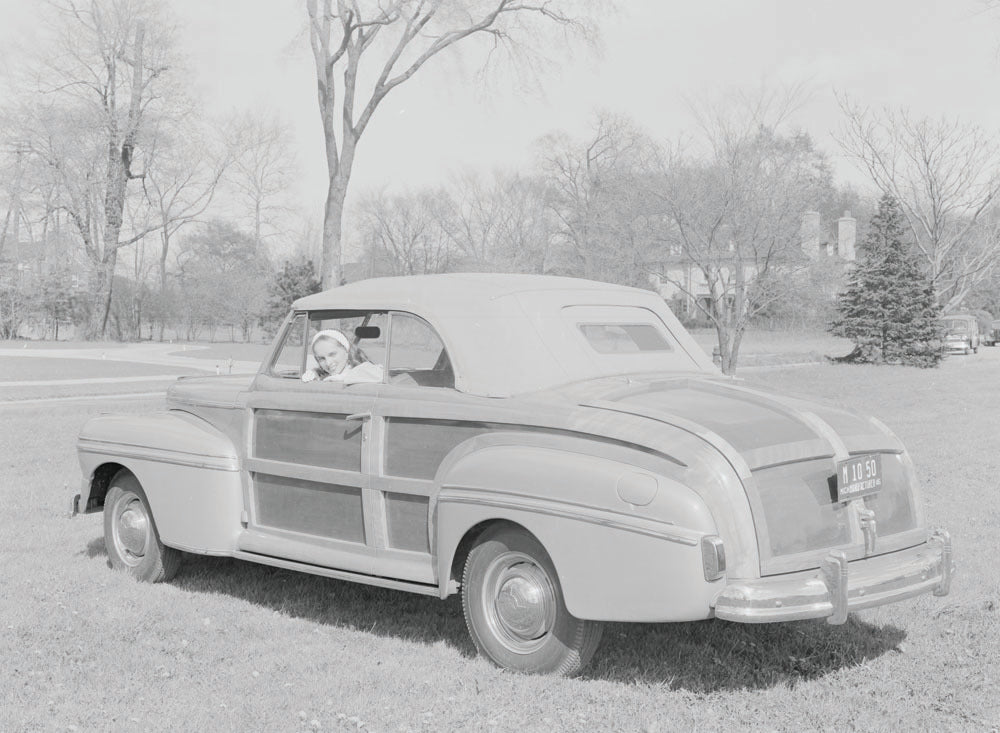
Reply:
x=520, y=602
x=131, y=529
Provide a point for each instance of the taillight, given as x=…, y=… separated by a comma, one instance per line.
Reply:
x=713, y=557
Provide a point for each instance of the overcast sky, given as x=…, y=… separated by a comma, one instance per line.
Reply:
x=935, y=57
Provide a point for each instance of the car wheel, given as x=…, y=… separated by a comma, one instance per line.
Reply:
x=130, y=535
x=515, y=611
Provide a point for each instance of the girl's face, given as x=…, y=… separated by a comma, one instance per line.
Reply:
x=330, y=355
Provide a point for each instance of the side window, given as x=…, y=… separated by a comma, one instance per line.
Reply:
x=366, y=331
x=416, y=354
x=290, y=358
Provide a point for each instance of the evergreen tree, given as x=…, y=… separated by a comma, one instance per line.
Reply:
x=888, y=308
x=295, y=280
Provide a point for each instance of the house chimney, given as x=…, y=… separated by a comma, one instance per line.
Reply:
x=809, y=232
x=847, y=234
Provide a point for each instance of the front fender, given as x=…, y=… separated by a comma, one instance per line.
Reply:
x=616, y=561
x=189, y=471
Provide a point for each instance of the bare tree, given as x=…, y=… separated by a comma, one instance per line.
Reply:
x=262, y=171
x=180, y=183
x=100, y=85
x=527, y=227
x=390, y=42
x=14, y=180
x=944, y=173
x=732, y=216
x=501, y=224
x=600, y=197
x=405, y=232
x=220, y=273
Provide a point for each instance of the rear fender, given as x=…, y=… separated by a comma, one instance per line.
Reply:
x=616, y=561
x=189, y=471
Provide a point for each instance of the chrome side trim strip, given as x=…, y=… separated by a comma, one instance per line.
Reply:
x=200, y=402
x=159, y=455
x=519, y=503
x=423, y=589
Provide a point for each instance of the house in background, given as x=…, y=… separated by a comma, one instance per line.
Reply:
x=817, y=244
x=22, y=264
x=28, y=264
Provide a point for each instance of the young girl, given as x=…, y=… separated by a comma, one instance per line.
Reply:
x=338, y=360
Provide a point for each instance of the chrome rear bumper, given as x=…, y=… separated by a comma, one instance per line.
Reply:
x=840, y=587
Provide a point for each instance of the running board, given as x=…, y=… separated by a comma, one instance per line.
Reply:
x=391, y=583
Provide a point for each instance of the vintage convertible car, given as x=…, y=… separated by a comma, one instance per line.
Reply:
x=559, y=451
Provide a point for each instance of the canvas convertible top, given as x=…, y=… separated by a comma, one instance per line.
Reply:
x=510, y=334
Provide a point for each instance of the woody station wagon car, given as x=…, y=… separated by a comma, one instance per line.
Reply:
x=558, y=451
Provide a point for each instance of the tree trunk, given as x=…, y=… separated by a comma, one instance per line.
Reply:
x=333, y=219
x=724, y=338
x=256, y=224
x=105, y=274
x=734, y=351
x=117, y=177
x=162, y=264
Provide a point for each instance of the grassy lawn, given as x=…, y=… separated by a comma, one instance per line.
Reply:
x=235, y=646
x=18, y=377
x=779, y=347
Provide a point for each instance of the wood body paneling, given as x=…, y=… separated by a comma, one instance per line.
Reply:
x=406, y=522
x=308, y=438
x=415, y=447
x=309, y=507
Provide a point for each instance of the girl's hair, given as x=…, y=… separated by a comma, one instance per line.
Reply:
x=355, y=355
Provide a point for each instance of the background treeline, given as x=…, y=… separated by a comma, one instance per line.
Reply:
x=126, y=212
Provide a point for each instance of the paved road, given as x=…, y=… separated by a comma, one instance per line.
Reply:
x=159, y=354
x=163, y=354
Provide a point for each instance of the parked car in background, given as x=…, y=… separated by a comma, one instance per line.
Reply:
x=560, y=452
x=992, y=337
x=985, y=321
x=961, y=334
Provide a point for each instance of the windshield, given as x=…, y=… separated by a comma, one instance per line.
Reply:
x=957, y=326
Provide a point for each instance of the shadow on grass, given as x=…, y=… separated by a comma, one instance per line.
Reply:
x=96, y=548
x=380, y=611
x=708, y=656
x=703, y=656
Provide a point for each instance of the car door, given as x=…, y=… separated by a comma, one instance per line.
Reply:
x=309, y=495
x=414, y=426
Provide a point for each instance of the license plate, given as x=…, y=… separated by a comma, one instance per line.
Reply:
x=859, y=476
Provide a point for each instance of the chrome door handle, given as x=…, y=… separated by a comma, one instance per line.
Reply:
x=358, y=416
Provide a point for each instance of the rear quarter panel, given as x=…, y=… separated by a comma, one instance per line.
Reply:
x=615, y=561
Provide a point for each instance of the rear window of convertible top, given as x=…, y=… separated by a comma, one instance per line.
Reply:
x=624, y=338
